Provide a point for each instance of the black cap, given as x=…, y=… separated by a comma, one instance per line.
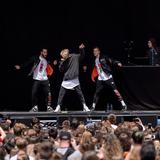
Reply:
x=64, y=135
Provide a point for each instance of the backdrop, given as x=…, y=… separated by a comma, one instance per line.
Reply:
x=26, y=27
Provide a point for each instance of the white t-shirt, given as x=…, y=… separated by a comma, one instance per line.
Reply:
x=16, y=156
x=114, y=126
x=40, y=72
x=62, y=150
x=101, y=74
x=76, y=155
x=70, y=84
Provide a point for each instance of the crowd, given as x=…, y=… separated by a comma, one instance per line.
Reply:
x=77, y=140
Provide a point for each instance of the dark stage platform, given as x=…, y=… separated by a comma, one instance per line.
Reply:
x=139, y=86
x=25, y=117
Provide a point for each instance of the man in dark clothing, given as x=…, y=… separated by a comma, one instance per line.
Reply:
x=69, y=65
x=65, y=145
x=40, y=71
x=153, y=52
x=102, y=70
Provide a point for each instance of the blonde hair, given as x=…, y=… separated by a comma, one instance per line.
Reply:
x=112, y=148
x=64, y=50
x=81, y=128
x=86, y=137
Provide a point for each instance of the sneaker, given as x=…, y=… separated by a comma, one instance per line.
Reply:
x=93, y=107
x=124, y=108
x=49, y=109
x=58, y=109
x=34, y=109
x=85, y=108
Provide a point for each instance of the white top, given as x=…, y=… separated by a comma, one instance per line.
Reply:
x=16, y=156
x=62, y=150
x=70, y=84
x=114, y=126
x=102, y=76
x=76, y=155
x=40, y=72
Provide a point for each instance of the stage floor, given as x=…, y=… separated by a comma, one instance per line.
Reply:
x=23, y=115
x=57, y=118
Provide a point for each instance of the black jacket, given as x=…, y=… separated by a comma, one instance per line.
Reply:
x=34, y=61
x=154, y=56
x=106, y=63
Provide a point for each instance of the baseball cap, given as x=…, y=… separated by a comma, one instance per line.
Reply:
x=64, y=135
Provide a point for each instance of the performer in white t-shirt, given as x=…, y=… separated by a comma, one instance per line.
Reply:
x=102, y=71
x=40, y=71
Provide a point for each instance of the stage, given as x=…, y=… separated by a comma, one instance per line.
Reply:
x=139, y=86
x=26, y=117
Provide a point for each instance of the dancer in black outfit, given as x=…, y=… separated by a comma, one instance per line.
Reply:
x=102, y=71
x=40, y=71
x=153, y=52
x=69, y=65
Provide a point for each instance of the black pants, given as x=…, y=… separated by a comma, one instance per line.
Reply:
x=45, y=87
x=62, y=93
x=101, y=84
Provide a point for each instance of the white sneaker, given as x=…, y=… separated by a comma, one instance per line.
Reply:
x=58, y=109
x=34, y=109
x=124, y=106
x=93, y=107
x=85, y=108
x=49, y=109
